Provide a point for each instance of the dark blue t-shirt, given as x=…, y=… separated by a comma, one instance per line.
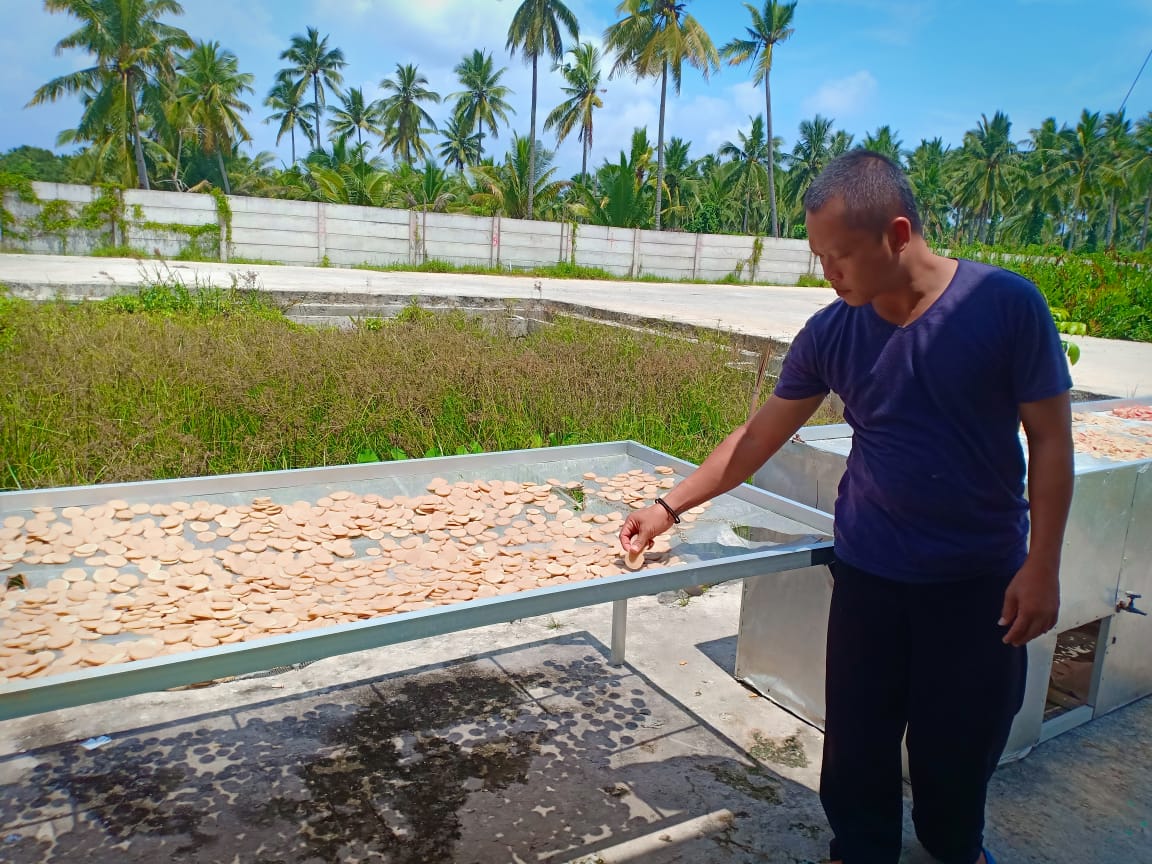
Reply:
x=934, y=486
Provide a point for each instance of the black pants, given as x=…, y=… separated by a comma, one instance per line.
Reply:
x=927, y=659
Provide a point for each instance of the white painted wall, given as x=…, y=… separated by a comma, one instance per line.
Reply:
x=305, y=232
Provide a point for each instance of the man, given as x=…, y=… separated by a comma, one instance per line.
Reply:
x=936, y=587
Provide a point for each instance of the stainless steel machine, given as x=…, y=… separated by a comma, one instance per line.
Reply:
x=1099, y=656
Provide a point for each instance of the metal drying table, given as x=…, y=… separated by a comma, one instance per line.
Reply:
x=748, y=532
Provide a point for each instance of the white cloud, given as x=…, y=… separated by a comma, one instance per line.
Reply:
x=843, y=97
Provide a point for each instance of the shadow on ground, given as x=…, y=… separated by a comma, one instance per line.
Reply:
x=539, y=753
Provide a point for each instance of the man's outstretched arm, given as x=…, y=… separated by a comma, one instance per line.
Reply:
x=736, y=458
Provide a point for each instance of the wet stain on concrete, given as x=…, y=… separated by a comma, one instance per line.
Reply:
x=383, y=786
x=787, y=751
x=383, y=772
x=751, y=780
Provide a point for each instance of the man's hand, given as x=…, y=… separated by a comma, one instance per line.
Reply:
x=1031, y=603
x=642, y=527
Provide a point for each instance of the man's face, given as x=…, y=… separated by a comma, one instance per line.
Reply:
x=859, y=263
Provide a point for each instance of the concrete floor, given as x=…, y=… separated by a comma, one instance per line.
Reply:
x=1107, y=367
x=512, y=743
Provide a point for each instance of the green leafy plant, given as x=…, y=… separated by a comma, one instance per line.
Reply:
x=808, y=280
x=1072, y=328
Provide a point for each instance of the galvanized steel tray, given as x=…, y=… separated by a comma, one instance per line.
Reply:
x=725, y=544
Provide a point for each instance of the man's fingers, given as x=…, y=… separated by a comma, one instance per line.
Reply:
x=1027, y=627
x=632, y=536
x=642, y=540
x=1008, y=613
x=1016, y=633
x=640, y=529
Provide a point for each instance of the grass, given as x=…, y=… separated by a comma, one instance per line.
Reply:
x=174, y=381
x=119, y=252
x=561, y=270
x=808, y=281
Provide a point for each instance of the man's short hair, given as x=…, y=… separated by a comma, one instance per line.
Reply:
x=874, y=189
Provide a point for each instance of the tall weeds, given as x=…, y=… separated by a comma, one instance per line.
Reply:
x=166, y=385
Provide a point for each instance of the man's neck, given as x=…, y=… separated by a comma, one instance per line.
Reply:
x=927, y=276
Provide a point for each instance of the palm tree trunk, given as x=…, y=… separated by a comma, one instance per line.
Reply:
x=660, y=146
x=137, y=145
x=292, y=132
x=176, y=166
x=747, y=203
x=1144, y=225
x=480, y=144
x=771, y=155
x=316, y=103
x=532, y=146
x=223, y=172
x=584, y=168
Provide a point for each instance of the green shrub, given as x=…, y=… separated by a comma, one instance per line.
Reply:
x=807, y=280
x=1111, y=295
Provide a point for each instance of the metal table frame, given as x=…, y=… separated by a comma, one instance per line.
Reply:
x=102, y=683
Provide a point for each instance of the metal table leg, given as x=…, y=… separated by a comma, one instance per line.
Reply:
x=619, y=630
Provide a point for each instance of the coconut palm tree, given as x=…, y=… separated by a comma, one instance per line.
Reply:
x=656, y=38
x=131, y=48
x=343, y=153
x=212, y=84
x=770, y=26
x=355, y=115
x=751, y=158
x=1083, y=159
x=484, y=99
x=460, y=146
x=840, y=143
x=507, y=188
x=582, y=75
x=885, y=142
x=1040, y=188
x=288, y=109
x=361, y=184
x=432, y=192
x=811, y=152
x=986, y=165
x=620, y=197
x=928, y=175
x=1141, y=167
x=252, y=175
x=314, y=62
x=172, y=127
x=405, y=120
x=679, y=172
x=535, y=31
x=1115, y=178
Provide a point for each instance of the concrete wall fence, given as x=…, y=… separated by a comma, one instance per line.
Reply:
x=310, y=233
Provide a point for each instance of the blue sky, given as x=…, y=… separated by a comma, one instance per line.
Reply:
x=926, y=67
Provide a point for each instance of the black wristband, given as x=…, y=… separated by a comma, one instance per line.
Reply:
x=671, y=512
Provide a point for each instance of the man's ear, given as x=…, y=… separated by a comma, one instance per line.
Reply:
x=899, y=234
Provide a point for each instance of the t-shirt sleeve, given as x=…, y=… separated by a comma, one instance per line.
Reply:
x=1039, y=365
x=800, y=375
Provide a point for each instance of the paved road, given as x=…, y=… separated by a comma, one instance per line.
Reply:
x=1109, y=367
